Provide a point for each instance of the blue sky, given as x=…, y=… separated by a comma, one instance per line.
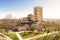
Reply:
x=17, y=5
x=21, y=8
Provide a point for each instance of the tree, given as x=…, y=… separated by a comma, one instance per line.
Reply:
x=8, y=16
x=6, y=25
x=30, y=17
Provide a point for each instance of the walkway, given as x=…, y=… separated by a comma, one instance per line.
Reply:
x=7, y=38
x=19, y=36
x=41, y=35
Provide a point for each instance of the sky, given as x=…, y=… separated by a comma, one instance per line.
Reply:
x=21, y=8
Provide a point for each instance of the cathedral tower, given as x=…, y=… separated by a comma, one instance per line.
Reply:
x=38, y=14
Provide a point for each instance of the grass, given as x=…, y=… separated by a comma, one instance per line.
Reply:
x=2, y=35
x=12, y=35
x=30, y=34
x=49, y=37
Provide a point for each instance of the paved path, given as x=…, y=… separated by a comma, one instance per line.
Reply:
x=41, y=35
x=19, y=36
x=7, y=38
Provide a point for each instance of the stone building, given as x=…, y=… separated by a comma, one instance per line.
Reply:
x=38, y=16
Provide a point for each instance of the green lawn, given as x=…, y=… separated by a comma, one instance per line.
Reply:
x=30, y=34
x=12, y=35
x=49, y=37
